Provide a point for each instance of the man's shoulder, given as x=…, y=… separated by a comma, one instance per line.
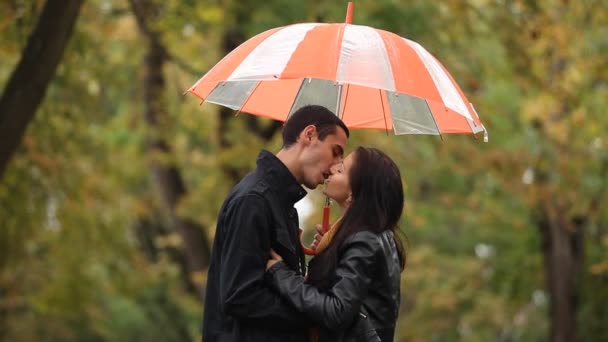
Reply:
x=252, y=188
x=252, y=184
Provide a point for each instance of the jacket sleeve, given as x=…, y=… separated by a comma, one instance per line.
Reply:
x=245, y=251
x=338, y=306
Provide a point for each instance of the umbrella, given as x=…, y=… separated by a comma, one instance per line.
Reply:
x=369, y=77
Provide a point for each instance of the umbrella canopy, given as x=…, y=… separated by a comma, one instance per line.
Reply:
x=369, y=77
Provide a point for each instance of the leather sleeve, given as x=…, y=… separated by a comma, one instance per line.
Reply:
x=337, y=307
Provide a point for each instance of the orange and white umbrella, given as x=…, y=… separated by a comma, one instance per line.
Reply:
x=369, y=77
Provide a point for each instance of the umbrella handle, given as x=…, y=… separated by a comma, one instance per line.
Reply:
x=325, y=224
x=324, y=228
x=307, y=250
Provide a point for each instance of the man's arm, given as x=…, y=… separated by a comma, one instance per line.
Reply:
x=245, y=251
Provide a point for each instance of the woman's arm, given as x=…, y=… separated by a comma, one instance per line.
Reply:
x=338, y=306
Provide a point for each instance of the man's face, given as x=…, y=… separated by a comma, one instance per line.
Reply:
x=320, y=156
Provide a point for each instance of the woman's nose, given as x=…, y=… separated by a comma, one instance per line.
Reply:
x=335, y=168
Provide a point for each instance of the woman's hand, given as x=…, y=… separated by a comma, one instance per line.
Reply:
x=318, y=236
x=274, y=258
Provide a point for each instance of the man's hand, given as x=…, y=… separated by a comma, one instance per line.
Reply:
x=274, y=258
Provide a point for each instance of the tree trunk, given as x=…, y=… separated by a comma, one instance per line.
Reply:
x=167, y=177
x=562, y=246
x=27, y=85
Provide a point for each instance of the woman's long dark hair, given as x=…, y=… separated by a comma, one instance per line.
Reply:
x=377, y=204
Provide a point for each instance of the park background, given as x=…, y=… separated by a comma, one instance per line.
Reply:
x=111, y=179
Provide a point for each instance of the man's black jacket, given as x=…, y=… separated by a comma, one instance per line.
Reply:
x=256, y=216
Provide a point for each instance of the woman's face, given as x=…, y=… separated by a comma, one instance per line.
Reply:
x=337, y=186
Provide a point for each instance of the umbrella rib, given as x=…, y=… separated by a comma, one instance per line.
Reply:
x=345, y=102
x=296, y=98
x=247, y=99
x=434, y=121
x=203, y=99
x=383, y=112
x=339, y=100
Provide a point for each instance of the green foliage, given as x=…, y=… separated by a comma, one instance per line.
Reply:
x=72, y=268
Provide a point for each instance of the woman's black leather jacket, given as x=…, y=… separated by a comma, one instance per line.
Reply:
x=364, y=295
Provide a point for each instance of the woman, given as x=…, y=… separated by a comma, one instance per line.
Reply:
x=352, y=288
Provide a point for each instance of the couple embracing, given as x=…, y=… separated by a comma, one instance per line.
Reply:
x=259, y=287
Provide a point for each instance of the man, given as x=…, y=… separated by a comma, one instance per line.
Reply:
x=258, y=215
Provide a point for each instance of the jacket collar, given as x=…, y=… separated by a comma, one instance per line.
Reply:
x=280, y=178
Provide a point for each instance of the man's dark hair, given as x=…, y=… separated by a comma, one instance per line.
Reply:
x=322, y=118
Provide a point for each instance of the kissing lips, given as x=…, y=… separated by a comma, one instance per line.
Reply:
x=326, y=176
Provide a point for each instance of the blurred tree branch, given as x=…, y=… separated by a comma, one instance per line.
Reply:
x=164, y=172
x=27, y=85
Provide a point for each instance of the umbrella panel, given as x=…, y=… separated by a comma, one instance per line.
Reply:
x=414, y=116
x=360, y=106
x=232, y=94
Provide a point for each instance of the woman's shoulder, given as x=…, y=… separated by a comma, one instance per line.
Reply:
x=363, y=239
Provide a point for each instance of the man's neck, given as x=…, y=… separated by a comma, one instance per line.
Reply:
x=289, y=157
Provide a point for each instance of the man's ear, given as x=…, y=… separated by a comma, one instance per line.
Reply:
x=308, y=133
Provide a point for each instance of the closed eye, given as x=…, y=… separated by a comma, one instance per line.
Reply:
x=337, y=151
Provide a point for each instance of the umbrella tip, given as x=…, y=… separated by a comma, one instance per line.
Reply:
x=349, y=13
